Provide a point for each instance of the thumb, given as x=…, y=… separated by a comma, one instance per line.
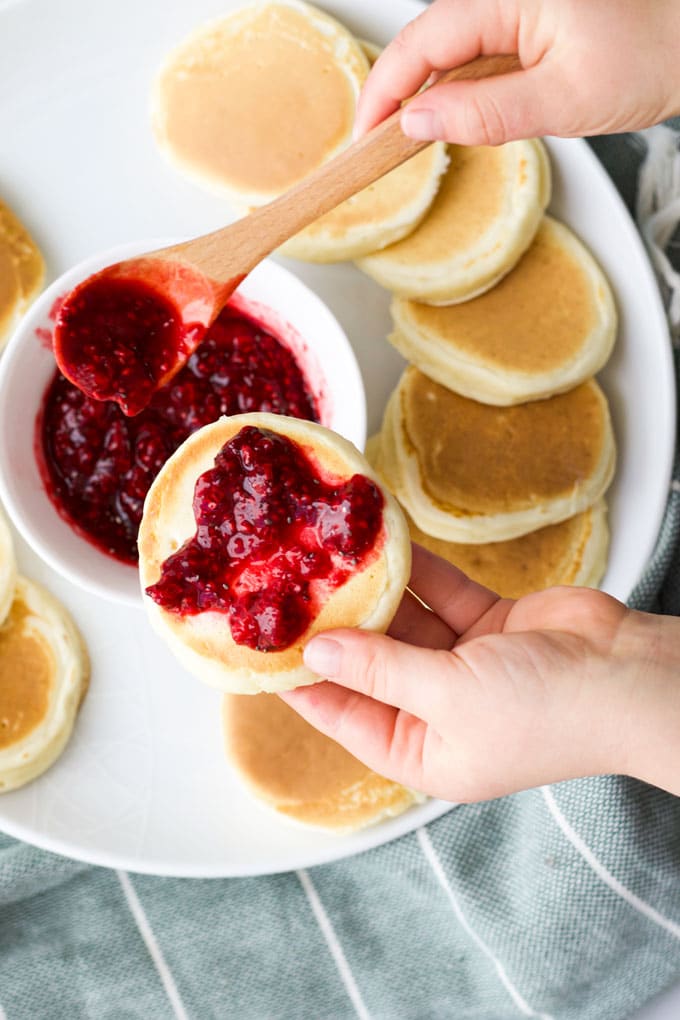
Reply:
x=486, y=112
x=392, y=672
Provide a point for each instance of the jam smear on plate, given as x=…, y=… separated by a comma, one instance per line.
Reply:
x=272, y=539
x=98, y=464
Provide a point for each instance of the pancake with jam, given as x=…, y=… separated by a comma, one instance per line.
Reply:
x=249, y=104
x=258, y=532
x=302, y=774
x=472, y=472
x=484, y=217
x=381, y=214
x=44, y=674
x=22, y=271
x=547, y=326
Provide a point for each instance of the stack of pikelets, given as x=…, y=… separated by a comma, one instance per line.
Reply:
x=496, y=441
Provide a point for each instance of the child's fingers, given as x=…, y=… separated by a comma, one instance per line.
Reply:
x=418, y=680
x=448, y=34
x=450, y=593
x=486, y=112
x=419, y=626
x=389, y=741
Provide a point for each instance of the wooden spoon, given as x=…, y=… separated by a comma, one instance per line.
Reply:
x=124, y=332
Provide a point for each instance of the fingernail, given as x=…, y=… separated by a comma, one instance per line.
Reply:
x=422, y=124
x=356, y=131
x=322, y=656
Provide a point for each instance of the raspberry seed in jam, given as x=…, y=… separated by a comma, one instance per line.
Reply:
x=272, y=539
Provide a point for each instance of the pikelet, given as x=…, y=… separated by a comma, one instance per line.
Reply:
x=259, y=531
x=381, y=214
x=22, y=271
x=485, y=215
x=8, y=569
x=547, y=326
x=301, y=773
x=249, y=104
x=472, y=472
x=44, y=674
x=571, y=552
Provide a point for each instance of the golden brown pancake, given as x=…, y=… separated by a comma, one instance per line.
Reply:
x=22, y=271
x=251, y=103
x=544, y=328
x=300, y=772
x=571, y=552
x=471, y=472
x=203, y=642
x=10, y=294
x=8, y=569
x=484, y=217
x=44, y=674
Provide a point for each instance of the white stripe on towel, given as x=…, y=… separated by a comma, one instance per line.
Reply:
x=3, y=1015
x=435, y=864
x=333, y=945
x=603, y=873
x=147, y=934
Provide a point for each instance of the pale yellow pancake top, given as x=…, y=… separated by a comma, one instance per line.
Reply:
x=382, y=201
x=468, y=202
x=260, y=98
x=301, y=772
x=481, y=458
x=27, y=669
x=535, y=319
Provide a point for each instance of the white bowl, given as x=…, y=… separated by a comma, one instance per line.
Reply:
x=277, y=298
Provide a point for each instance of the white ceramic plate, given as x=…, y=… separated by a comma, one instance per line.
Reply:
x=144, y=785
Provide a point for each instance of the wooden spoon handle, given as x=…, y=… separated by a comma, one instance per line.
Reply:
x=381, y=150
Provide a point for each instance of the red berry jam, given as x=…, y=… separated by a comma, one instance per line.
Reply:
x=272, y=539
x=98, y=464
x=118, y=339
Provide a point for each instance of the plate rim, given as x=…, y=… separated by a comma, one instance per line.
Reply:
x=389, y=830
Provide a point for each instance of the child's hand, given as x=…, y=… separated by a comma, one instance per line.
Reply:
x=485, y=696
x=589, y=68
